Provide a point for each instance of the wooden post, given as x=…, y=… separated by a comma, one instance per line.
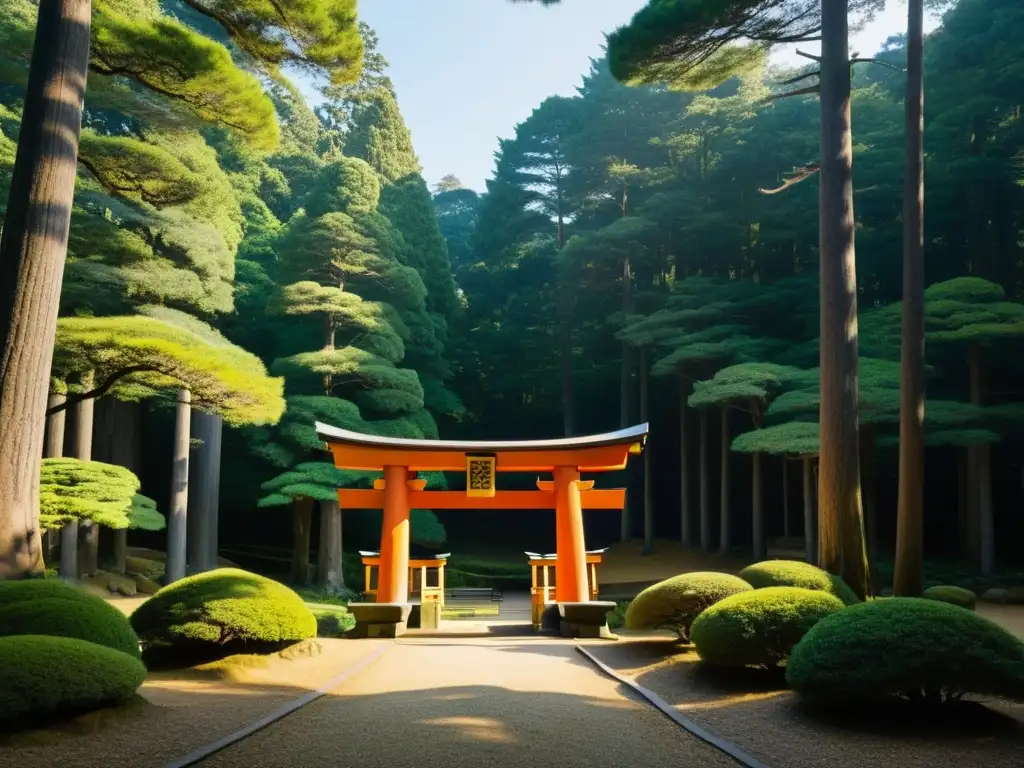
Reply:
x=571, y=571
x=88, y=532
x=393, y=581
x=177, y=518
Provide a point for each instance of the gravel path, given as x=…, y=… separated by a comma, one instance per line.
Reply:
x=177, y=712
x=465, y=703
x=766, y=720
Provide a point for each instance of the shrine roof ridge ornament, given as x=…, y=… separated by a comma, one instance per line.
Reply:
x=329, y=434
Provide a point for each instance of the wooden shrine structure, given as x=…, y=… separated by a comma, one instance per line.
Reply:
x=543, y=581
x=420, y=571
x=400, y=490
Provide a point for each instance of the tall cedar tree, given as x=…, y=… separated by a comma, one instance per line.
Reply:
x=34, y=243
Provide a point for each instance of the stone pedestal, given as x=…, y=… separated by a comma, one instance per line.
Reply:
x=379, y=619
x=586, y=620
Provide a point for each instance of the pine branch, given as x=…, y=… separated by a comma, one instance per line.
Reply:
x=797, y=92
x=102, y=389
x=799, y=174
x=798, y=78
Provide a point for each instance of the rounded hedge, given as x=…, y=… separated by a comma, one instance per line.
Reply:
x=794, y=573
x=759, y=628
x=908, y=648
x=44, y=676
x=224, y=608
x=90, y=619
x=25, y=590
x=952, y=595
x=674, y=603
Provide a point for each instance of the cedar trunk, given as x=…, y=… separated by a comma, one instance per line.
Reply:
x=88, y=532
x=645, y=404
x=302, y=520
x=908, y=573
x=329, y=574
x=724, y=535
x=53, y=448
x=980, y=527
x=203, y=490
x=125, y=452
x=705, y=491
x=810, y=529
x=33, y=248
x=684, y=470
x=177, y=518
x=785, y=498
x=758, y=508
x=841, y=525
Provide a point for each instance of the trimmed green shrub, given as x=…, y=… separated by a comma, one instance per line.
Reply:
x=220, y=612
x=333, y=623
x=674, y=603
x=44, y=676
x=759, y=628
x=617, y=616
x=41, y=589
x=91, y=619
x=905, y=647
x=794, y=573
x=952, y=595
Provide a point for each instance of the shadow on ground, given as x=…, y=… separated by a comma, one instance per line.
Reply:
x=755, y=710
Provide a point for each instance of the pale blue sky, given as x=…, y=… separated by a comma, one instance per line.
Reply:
x=467, y=71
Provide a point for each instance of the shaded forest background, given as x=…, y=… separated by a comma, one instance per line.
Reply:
x=631, y=242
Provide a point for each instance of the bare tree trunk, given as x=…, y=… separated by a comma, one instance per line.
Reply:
x=626, y=371
x=724, y=534
x=69, y=533
x=684, y=469
x=986, y=527
x=908, y=573
x=302, y=521
x=125, y=453
x=705, y=491
x=810, y=532
x=203, y=489
x=785, y=498
x=177, y=518
x=869, y=493
x=980, y=524
x=329, y=572
x=33, y=248
x=53, y=448
x=88, y=531
x=758, y=508
x=645, y=407
x=841, y=529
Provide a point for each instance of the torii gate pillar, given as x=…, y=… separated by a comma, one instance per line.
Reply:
x=393, y=577
x=571, y=581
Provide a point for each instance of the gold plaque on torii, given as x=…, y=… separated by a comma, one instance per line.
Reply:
x=480, y=476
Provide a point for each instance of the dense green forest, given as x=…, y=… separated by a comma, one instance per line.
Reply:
x=242, y=263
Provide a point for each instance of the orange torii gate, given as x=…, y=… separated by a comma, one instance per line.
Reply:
x=399, y=491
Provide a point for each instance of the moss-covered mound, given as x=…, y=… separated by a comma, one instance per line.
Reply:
x=222, y=612
x=81, y=618
x=27, y=590
x=952, y=595
x=793, y=573
x=760, y=628
x=674, y=603
x=45, y=676
x=905, y=647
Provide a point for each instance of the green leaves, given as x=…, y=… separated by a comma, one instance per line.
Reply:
x=170, y=351
x=71, y=489
x=171, y=59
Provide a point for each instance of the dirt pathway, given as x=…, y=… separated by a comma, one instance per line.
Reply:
x=471, y=703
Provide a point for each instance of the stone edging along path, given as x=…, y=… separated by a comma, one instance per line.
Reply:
x=198, y=755
x=727, y=747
